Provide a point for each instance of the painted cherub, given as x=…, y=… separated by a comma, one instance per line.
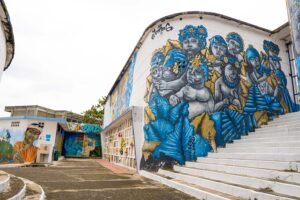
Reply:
x=199, y=97
x=193, y=40
x=227, y=88
x=218, y=51
x=235, y=46
x=173, y=73
x=155, y=75
x=200, y=100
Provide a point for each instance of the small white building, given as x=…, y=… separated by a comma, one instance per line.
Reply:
x=196, y=81
x=28, y=139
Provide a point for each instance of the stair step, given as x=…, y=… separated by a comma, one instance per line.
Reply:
x=15, y=190
x=272, y=134
x=269, y=139
x=33, y=191
x=258, y=156
x=278, y=187
x=278, y=129
x=191, y=189
x=281, y=124
x=221, y=186
x=290, y=115
x=291, y=177
x=262, y=164
x=263, y=144
x=278, y=123
x=4, y=180
x=260, y=150
x=283, y=121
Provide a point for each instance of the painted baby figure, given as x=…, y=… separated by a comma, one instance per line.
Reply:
x=218, y=51
x=227, y=89
x=201, y=102
x=199, y=97
x=157, y=61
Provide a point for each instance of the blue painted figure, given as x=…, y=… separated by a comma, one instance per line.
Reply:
x=261, y=94
x=193, y=39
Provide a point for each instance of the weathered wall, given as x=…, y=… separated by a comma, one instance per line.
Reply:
x=21, y=139
x=203, y=82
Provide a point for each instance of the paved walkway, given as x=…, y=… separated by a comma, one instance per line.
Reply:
x=87, y=179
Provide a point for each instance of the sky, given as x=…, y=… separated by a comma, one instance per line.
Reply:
x=68, y=53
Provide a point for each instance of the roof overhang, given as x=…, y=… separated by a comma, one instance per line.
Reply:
x=9, y=36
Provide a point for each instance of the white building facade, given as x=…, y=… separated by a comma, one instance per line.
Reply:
x=194, y=82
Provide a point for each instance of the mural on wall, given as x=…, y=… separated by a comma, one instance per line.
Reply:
x=73, y=144
x=17, y=146
x=203, y=93
x=81, y=145
x=120, y=98
x=93, y=145
x=59, y=140
x=85, y=128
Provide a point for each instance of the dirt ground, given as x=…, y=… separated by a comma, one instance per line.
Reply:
x=87, y=179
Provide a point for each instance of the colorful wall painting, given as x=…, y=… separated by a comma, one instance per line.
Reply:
x=81, y=145
x=85, y=128
x=59, y=140
x=120, y=98
x=202, y=93
x=73, y=144
x=18, y=146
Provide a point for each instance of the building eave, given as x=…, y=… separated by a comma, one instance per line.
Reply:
x=189, y=13
x=9, y=36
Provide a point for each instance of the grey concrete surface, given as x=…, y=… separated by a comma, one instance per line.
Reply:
x=86, y=179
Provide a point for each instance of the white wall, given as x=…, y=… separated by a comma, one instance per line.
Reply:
x=49, y=128
x=215, y=26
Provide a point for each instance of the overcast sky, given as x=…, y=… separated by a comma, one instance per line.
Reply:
x=70, y=52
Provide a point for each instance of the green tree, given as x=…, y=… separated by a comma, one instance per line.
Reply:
x=95, y=114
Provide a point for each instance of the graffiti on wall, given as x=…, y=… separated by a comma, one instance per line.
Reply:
x=59, y=139
x=17, y=146
x=160, y=29
x=85, y=128
x=81, y=145
x=203, y=93
x=73, y=144
x=120, y=98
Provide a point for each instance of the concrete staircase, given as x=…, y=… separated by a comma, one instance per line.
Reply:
x=263, y=165
x=16, y=188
